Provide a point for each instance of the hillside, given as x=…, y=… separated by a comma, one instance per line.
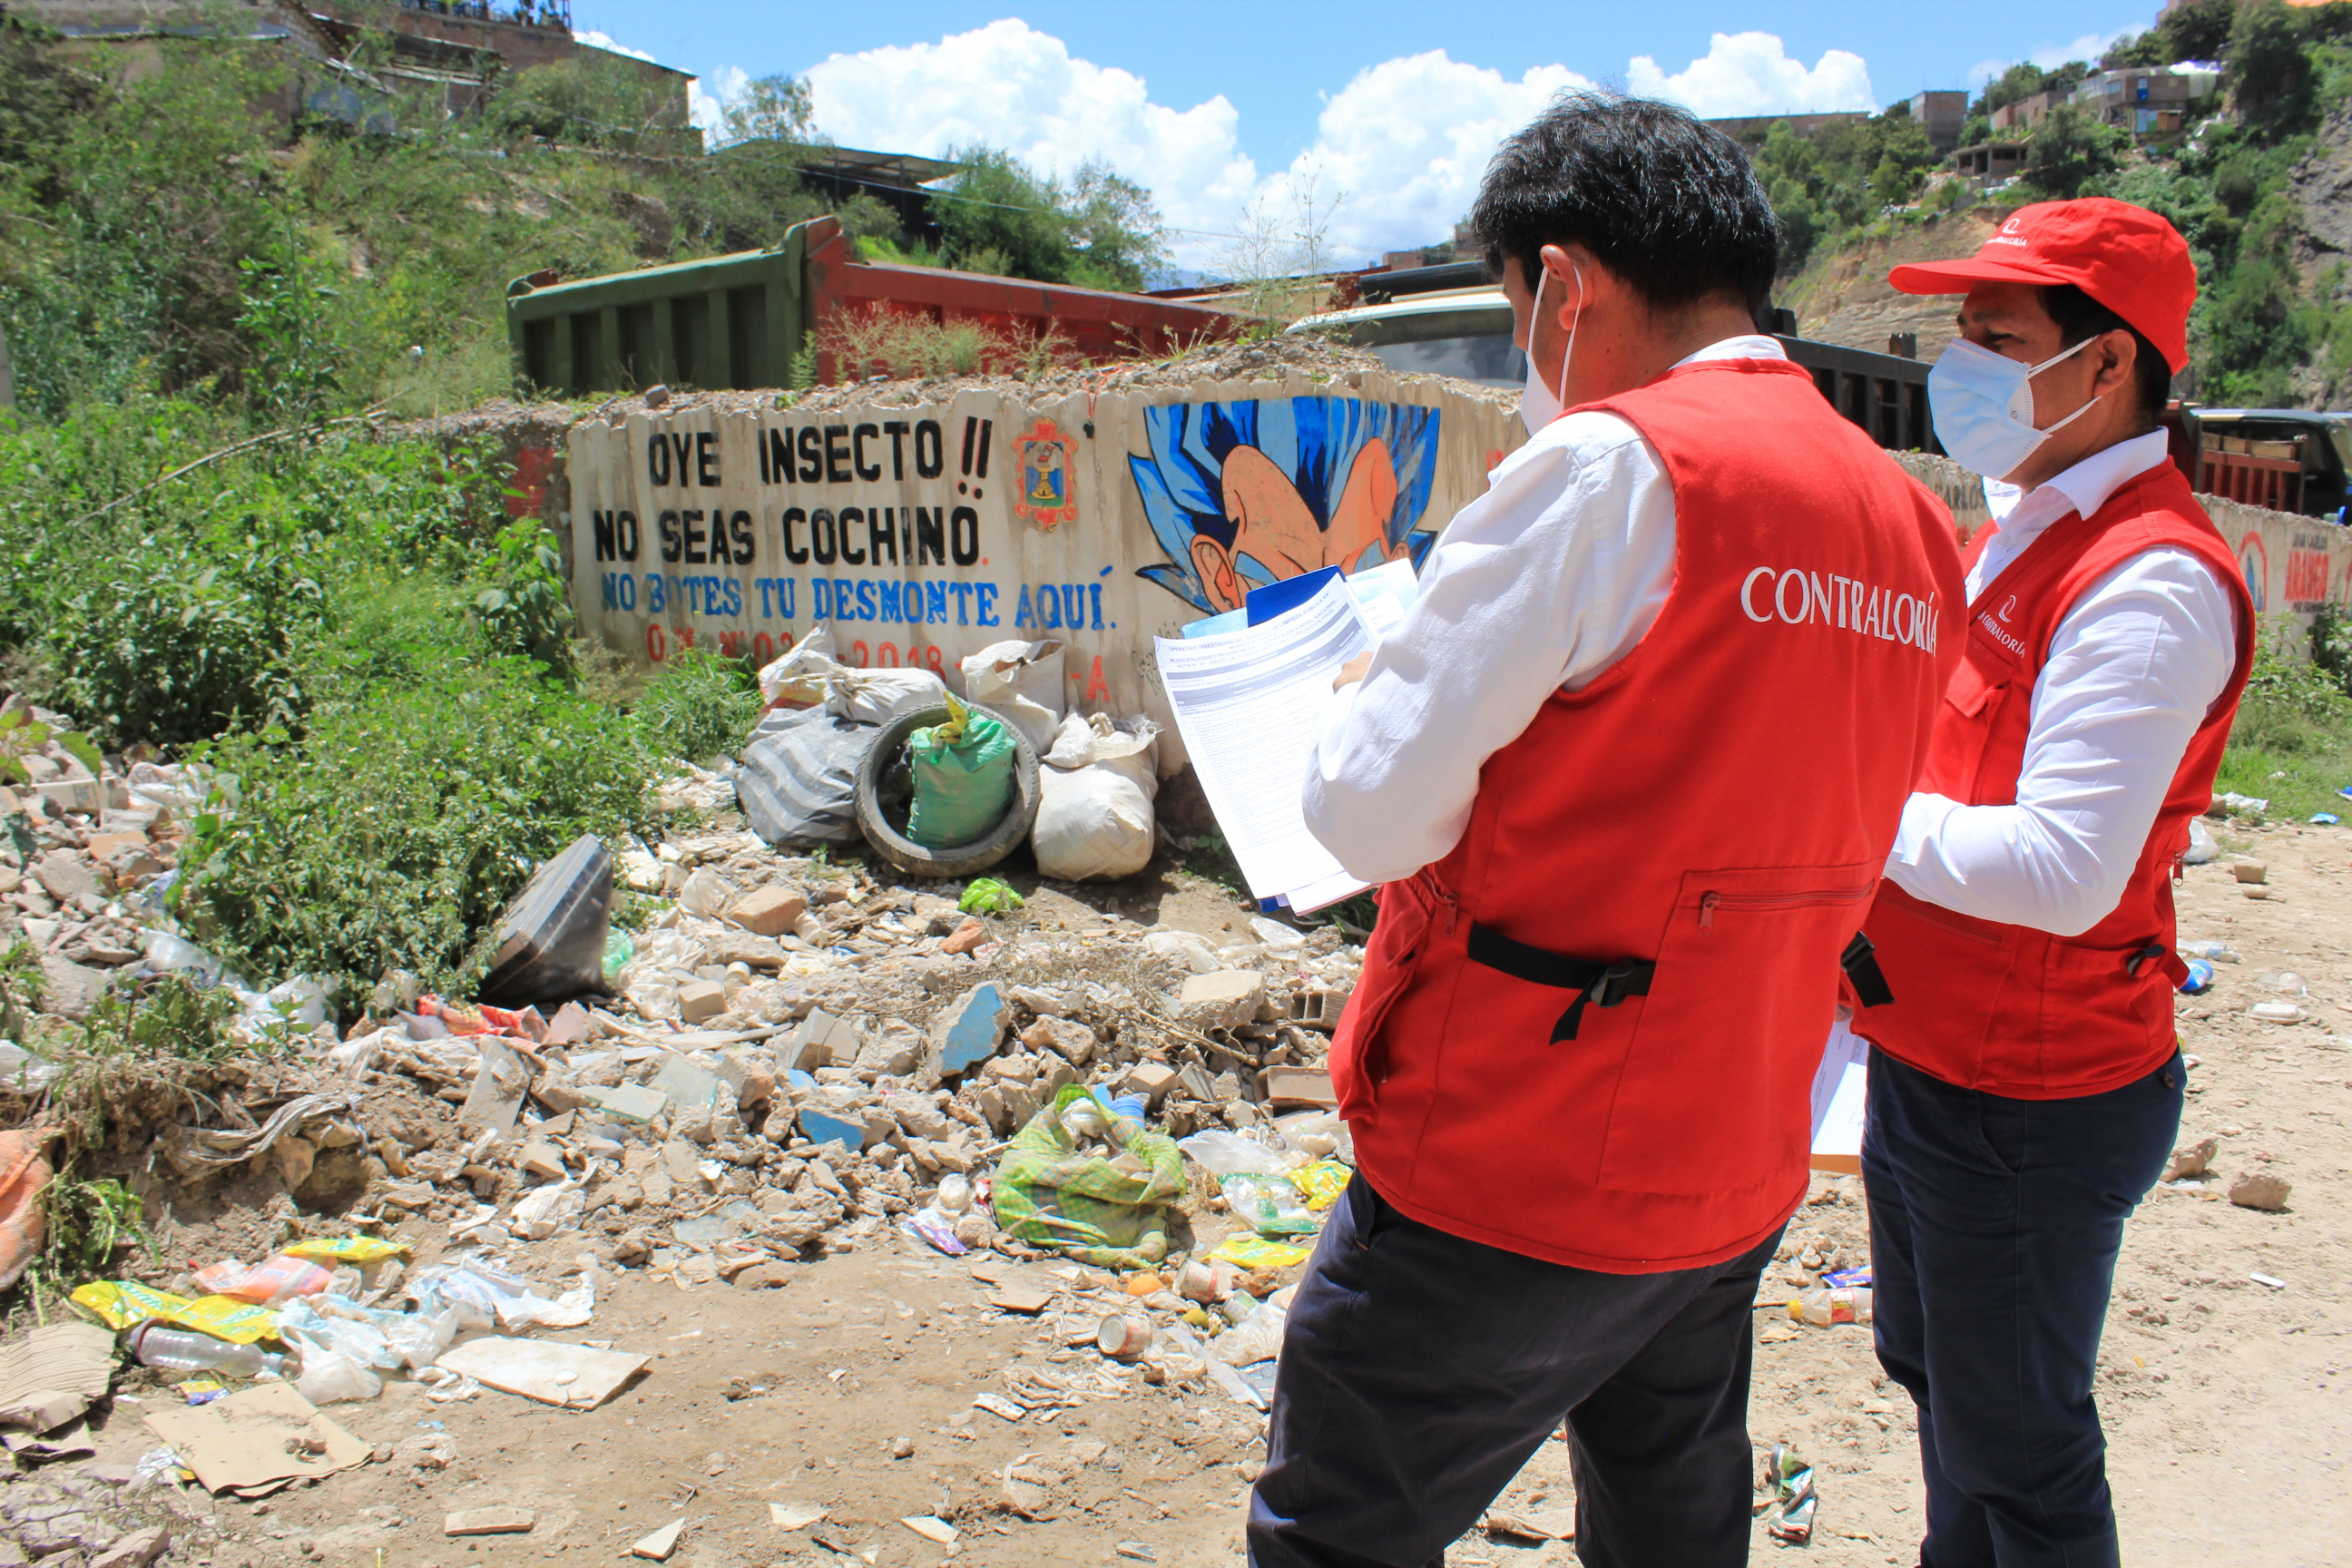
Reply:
x=1841, y=297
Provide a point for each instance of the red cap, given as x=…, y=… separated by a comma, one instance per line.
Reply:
x=2126, y=257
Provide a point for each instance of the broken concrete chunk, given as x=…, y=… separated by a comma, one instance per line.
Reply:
x=769, y=911
x=658, y=1546
x=135, y=1549
x=2261, y=1191
x=966, y=937
x=893, y=1053
x=2253, y=872
x=700, y=1001
x=541, y=1160
x=968, y=1030
x=2192, y=1158
x=1075, y=1043
x=67, y=878
x=1226, y=999
x=917, y=1115
x=628, y=1101
x=822, y=1040
x=1150, y=1079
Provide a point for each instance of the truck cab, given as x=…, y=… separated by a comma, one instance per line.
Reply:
x=2289, y=459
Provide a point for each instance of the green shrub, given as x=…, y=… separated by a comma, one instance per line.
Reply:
x=699, y=707
x=394, y=832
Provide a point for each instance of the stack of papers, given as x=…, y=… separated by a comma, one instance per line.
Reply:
x=1249, y=700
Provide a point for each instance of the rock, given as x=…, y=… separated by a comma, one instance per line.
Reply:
x=822, y=1040
x=966, y=937
x=542, y=1160
x=2253, y=871
x=680, y=1162
x=1227, y=999
x=135, y=1549
x=1150, y=1079
x=699, y=1001
x=496, y=1520
x=917, y=1115
x=572, y=1025
x=2192, y=1159
x=2261, y=1191
x=72, y=989
x=893, y=1053
x=628, y=1101
x=104, y=847
x=764, y=1276
x=968, y=1030
x=769, y=911
x=67, y=877
x=407, y=1194
x=731, y=945
x=558, y=1095
x=1075, y=1043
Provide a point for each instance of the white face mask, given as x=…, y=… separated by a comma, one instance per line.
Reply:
x=1983, y=407
x=1539, y=404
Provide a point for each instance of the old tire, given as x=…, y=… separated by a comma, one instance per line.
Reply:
x=876, y=792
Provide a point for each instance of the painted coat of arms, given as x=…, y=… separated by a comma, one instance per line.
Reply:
x=1047, y=461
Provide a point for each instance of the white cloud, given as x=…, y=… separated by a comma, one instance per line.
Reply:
x=1751, y=73
x=704, y=106
x=607, y=41
x=2050, y=56
x=1405, y=142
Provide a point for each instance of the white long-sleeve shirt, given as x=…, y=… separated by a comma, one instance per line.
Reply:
x=2131, y=672
x=1547, y=580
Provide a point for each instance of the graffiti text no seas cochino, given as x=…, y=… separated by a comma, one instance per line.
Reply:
x=876, y=538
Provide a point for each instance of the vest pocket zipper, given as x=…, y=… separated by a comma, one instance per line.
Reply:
x=1803, y=898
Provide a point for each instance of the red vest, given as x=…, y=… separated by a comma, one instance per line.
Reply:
x=2007, y=1009
x=1720, y=802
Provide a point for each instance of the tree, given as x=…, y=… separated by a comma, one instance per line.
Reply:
x=2267, y=67
x=773, y=108
x=2197, y=29
x=1000, y=215
x=2070, y=149
x=592, y=99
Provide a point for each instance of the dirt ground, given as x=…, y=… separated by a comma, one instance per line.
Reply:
x=851, y=1388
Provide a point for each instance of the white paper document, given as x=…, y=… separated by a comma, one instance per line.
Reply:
x=1249, y=704
x=1838, y=1088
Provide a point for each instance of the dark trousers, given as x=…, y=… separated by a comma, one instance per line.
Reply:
x=1994, y=1226
x=1421, y=1371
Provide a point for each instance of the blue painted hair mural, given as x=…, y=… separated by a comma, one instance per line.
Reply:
x=1242, y=494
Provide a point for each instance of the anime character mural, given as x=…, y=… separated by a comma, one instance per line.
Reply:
x=1249, y=492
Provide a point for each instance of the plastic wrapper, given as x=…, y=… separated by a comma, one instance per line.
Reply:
x=270, y=1282
x=1270, y=1206
x=878, y=695
x=486, y=1295
x=1223, y=1155
x=934, y=1229
x=797, y=678
x=1321, y=1183
x=360, y=1249
x=1253, y=1252
x=1256, y=1338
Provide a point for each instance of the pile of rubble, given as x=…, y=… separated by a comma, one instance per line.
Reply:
x=801, y=1053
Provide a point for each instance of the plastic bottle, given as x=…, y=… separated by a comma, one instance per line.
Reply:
x=2213, y=951
x=186, y=1350
x=2200, y=978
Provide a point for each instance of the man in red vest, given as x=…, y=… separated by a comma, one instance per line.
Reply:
x=2026, y=1085
x=1628, y=770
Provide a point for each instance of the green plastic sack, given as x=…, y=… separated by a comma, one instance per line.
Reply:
x=963, y=778
x=1050, y=1194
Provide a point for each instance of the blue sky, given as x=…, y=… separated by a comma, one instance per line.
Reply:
x=1374, y=114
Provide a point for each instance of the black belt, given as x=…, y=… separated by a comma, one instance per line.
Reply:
x=1860, y=962
x=1603, y=984
x=1606, y=984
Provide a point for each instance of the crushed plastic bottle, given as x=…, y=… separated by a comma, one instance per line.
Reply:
x=186, y=1350
x=2214, y=952
x=1830, y=1304
x=2199, y=979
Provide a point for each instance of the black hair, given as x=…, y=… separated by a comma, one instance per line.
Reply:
x=1669, y=204
x=2079, y=317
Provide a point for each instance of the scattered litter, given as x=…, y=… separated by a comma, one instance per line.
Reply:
x=930, y=1527
x=658, y=1546
x=2326, y=818
x=2275, y=1284
x=48, y=1376
x=997, y=1404
x=796, y=1515
x=987, y=896
x=1789, y=1517
x=1253, y=1252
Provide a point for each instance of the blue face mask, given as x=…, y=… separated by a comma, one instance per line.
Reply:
x=1983, y=407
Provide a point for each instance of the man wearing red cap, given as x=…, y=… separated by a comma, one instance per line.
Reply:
x=2026, y=1086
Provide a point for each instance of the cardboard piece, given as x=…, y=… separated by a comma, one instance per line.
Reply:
x=574, y=1376
x=49, y=1376
x=1021, y=1296
x=241, y=1444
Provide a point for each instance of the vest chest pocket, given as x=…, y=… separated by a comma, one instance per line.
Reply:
x=1715, y=1094
x=1971, y=743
